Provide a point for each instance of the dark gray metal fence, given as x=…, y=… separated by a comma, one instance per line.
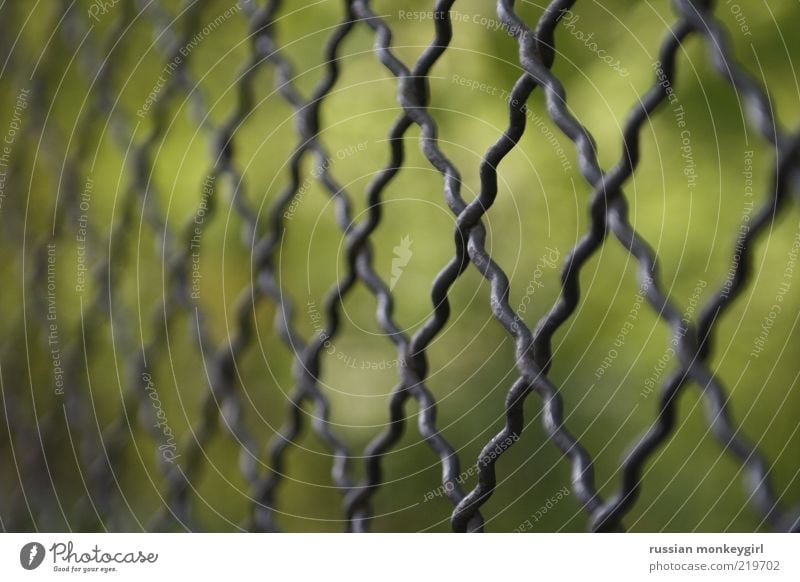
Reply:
x=100, y=450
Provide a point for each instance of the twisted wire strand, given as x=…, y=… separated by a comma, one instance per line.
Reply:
x=686, y=336
x=222, y=405
x=307, y=355
x=259, y=21
x=115, y=436
x=579, y=255
x=265, y=287
x=760, y=115
x=757, y=481
x=413, y=97
x=222, y=401
x=141, y=192
x=165, y=311
x=358, y=259
x=223, y=369
x=223, y=365
x=531, y=365
x=413, y=88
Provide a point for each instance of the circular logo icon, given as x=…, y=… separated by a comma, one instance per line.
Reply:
x=31, y=555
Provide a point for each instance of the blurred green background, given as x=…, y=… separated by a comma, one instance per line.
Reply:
x=541, y=211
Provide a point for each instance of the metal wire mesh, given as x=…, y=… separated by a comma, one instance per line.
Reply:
x=100, y=449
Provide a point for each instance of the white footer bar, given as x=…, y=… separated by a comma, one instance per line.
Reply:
x=400, y=557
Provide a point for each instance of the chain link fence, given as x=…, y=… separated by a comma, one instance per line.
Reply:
x=164, y=368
